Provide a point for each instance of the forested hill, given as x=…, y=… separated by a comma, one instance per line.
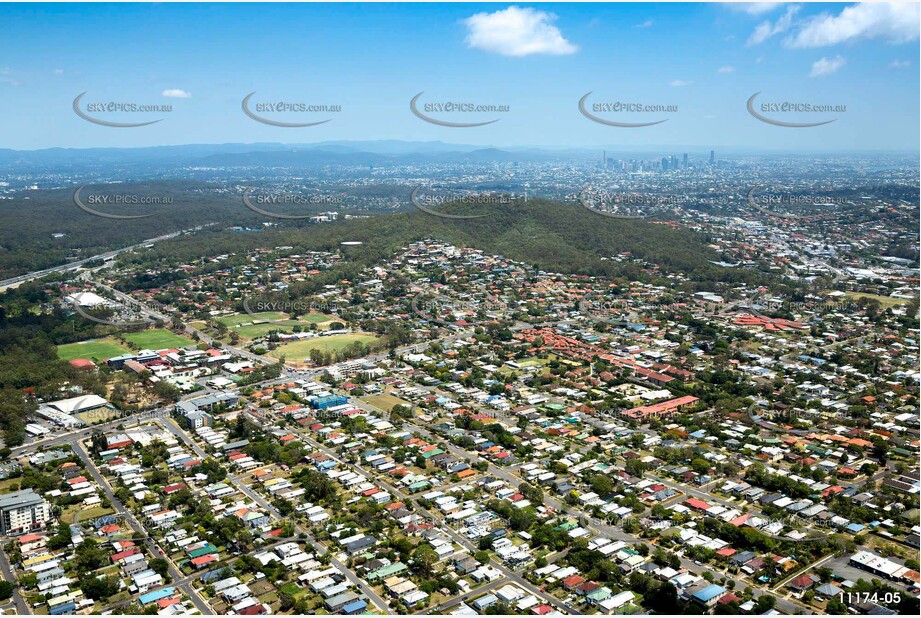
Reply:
x=557, y=236
x=554, y=236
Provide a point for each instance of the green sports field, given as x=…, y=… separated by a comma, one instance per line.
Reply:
x=296, y=351
x=253, y=325
x=157, y=339
x=97, y=350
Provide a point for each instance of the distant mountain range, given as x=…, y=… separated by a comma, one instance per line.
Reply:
x=378, y=153
x=384, y=152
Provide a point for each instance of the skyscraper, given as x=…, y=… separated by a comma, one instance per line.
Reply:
x=685, y=160
x=712, y=157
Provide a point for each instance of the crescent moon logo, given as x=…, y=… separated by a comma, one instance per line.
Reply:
x=415, y=200
x=780, y=123
x=585, y=203
x=106, y=123
x=104, y=215
x=275, y=123
x=266, y=213
x=611, y=123
x=443, y=123
x=754, y=204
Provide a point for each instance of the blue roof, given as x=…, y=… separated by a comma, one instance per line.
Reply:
x=156, y=595
x=66, y=608
x=354, y=606
x=709, y=593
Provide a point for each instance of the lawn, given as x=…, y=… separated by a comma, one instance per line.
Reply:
x=157, y=339
x=296, y=351
x=385, y=402
x=318, y=318
x=291, y=589
x=885, y=301
x=246, y=318
x=533, y=361
x=77, y=515
x=100, y=415
x=253, y=325
x=97, y=350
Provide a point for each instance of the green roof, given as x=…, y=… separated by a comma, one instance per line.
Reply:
x=387, y=571
x=203, y=551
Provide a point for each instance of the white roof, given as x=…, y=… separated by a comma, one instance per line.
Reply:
x=76, y=404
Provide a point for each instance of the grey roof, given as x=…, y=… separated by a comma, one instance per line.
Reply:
x=20, y=499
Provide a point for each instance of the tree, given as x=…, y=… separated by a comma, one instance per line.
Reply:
x=520, y=520
x=602, y=484
x=89, y=557
x=835, y=607
x=700, y=465
x=6, y=590
x=99, y=588
x=425, y=556
x=765, y=603
x=285, y=600
x=160, y=565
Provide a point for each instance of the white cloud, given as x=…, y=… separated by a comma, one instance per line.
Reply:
x=766, y=29
x=678, y=83
x=753, y=8
x=891, y=22
x=58, y=71
x=177, y=93
x=824, y=66
x=4, y=72
x=899, y=64
x=726, y=70
x=645, y=24
x=517, y=32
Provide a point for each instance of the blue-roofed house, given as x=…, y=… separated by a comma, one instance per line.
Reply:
x=156, y=595
x=355, y=607
x=64, y=608
x=709, y=596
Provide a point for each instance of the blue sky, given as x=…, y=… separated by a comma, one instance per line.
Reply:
x=537, y=58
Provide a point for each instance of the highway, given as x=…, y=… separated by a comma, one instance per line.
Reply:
x=38, y=274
